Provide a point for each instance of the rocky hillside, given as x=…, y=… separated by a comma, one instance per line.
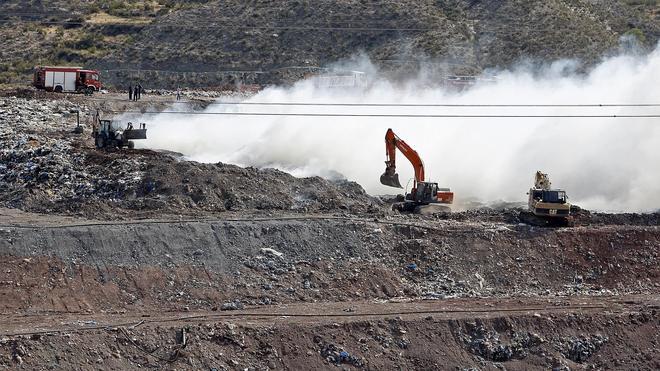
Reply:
x=222, y=42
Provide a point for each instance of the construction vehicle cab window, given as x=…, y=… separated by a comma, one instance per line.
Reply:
x=424, y=197
x=550, y=196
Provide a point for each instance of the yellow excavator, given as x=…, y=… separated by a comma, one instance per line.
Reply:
x=423, y=194
x=546, y=206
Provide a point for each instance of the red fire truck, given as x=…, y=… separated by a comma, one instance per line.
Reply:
x=66, y=79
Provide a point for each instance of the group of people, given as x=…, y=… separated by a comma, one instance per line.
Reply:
x=135, y=92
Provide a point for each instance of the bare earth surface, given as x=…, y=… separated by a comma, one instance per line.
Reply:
x=169, y=264
x=375, y=335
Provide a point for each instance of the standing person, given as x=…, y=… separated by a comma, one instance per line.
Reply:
x=135, y=93
x=140, y=91
x=130, y=92
x=178, y=93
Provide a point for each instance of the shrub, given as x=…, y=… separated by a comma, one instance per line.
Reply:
x=637, y=34
x=88, y=41
x=117, y=8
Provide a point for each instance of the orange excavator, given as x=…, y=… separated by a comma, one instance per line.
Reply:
x=422, y=193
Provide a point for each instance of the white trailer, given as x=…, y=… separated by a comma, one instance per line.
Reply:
x=60, y=81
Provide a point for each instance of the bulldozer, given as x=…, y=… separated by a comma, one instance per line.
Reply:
x=424, y=197
x=109, y=134
x=546, y=206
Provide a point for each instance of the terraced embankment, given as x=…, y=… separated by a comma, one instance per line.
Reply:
x=201, y=263
x=323, y=290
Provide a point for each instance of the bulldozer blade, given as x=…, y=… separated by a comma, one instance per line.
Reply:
x=390, y=180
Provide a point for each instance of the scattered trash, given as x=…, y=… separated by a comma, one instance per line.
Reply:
x=579, y=349
x=232, y=305
x=334, y=355
x=481, y=280
x=271, y=251
x=411, y=267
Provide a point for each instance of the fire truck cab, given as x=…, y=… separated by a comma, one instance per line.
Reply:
x=66, y=79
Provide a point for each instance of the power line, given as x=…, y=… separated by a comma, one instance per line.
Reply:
x=379, y=115
x=513, y=105
x=231, y=21
x=66, y=17
x=239, y=27
x=226, y=24
x=429, y=104
x=219, y=72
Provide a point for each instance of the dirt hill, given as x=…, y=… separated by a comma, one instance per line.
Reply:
x=223, y=42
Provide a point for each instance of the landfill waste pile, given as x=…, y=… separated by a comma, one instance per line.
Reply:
x=47, y=168
x=43, y=167
x=135, y=258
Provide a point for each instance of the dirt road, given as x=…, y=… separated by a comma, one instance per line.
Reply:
x=527, y=333
x=12, y=325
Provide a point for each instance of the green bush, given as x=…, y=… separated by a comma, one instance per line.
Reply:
x=22, y=66
x=642, y=2
x=64, y=56
x=638, y=34
x=86, y=42
x=117, y=8
x=93, y=8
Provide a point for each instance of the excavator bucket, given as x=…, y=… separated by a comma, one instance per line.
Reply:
x=391, y=180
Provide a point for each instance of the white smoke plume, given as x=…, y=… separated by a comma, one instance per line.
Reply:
x=604, y=164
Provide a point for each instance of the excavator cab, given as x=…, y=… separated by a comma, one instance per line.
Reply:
x=425, y=193
x=554, y=196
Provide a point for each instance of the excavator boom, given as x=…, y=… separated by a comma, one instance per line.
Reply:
x=390, y=176
x=542, y=181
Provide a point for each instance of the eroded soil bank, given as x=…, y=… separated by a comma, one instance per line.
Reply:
x=202, y=264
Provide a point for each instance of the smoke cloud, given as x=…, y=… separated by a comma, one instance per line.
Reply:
x=604, y=164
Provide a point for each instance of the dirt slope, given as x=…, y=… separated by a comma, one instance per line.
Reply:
x=257, y=261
